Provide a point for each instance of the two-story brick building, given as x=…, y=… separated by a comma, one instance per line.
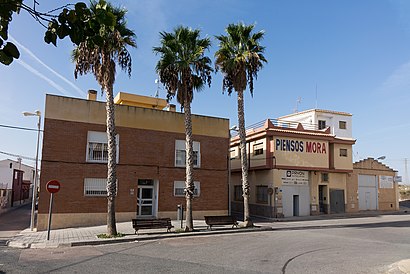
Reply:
x=150, y=161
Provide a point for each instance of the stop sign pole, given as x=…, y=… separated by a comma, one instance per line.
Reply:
x=52, y=186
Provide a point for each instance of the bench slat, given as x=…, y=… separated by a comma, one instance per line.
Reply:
x=152, y=223
x=220, y=220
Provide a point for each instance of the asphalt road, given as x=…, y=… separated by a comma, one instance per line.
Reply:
x=14, y=221
x=368, y=247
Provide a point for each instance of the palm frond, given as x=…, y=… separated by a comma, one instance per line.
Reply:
x=239, y=56
x=183, y=66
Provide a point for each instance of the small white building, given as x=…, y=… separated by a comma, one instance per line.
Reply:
x=15, y=178
x=340, y=123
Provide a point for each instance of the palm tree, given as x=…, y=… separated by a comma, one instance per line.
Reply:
x=240, y=57
x=99, y=55
x=182, y=68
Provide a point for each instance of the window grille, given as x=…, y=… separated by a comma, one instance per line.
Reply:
x=97, y=147
x=179, y=188
x=95, y=187
x=343, y=152
x=98, y=152
x=238, y=193
x=262, y=194
x=180, y=153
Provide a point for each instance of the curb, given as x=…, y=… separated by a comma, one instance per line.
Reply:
x=165, y=236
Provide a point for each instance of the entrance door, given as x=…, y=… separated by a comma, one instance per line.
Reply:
x=368, y=200
x=145, y=198
x=337, y=201
x=322, y=199
x=295, y=205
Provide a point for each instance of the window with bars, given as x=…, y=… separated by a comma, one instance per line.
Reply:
x=180, y=153
x=97, y=147
x=325, y=177
x=237, y=195
x=97, y=152
x=342, y=125
x=179, y=188
x=95, y=187
x=343, y=152
x=262, y=194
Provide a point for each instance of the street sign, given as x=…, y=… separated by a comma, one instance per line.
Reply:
x=53, y=186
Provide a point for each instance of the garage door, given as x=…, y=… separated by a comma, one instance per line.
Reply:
x=368, y=199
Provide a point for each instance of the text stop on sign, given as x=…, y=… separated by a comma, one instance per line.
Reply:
x=53, y=186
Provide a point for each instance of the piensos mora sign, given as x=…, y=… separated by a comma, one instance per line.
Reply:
x=295, y=177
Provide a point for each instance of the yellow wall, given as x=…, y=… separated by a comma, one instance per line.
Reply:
x=342, y=162
x=257, y=160
x=301, y=158
x=135, y=100
x=387, y=197
x=78, y=110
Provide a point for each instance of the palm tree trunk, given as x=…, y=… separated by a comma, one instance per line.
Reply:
x=112, y=155
x=189, y=182
x=244, y=160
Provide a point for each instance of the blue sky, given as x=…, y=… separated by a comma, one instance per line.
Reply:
x=357, y=54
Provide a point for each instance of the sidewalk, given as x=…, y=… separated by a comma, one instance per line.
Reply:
x=88, y=235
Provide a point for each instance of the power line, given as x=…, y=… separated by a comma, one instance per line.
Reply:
x=22, y=128
x=18, y=156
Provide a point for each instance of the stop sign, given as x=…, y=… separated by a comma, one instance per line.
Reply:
x=53, y=186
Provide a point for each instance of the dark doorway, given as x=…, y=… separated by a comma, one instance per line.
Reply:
x=295, y=205
x=337, y=201
x=322, y=199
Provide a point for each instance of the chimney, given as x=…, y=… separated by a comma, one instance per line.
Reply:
x=92, y=95
x=171, y=107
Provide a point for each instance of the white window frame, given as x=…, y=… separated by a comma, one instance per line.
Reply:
x=181, y=185
x=257, y=147
x=97, y=137
x=180, y=152
x=97, y=185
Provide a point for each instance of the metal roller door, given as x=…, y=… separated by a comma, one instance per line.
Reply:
x=368, y=199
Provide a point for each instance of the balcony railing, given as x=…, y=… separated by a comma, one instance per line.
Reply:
x=281, y=124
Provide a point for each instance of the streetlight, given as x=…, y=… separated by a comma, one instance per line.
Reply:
x=34, y=198
x=381, y=158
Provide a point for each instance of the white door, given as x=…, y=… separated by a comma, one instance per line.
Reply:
x=146, y=198
x=368, y=200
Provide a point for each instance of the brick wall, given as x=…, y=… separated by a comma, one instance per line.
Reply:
x=143, y=154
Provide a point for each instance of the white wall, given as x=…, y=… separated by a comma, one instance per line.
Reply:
x=332, y=121
x=6, y=173
x=304, y=200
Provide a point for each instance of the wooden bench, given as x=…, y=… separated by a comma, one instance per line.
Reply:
x=152, y=223
x=220, y=220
